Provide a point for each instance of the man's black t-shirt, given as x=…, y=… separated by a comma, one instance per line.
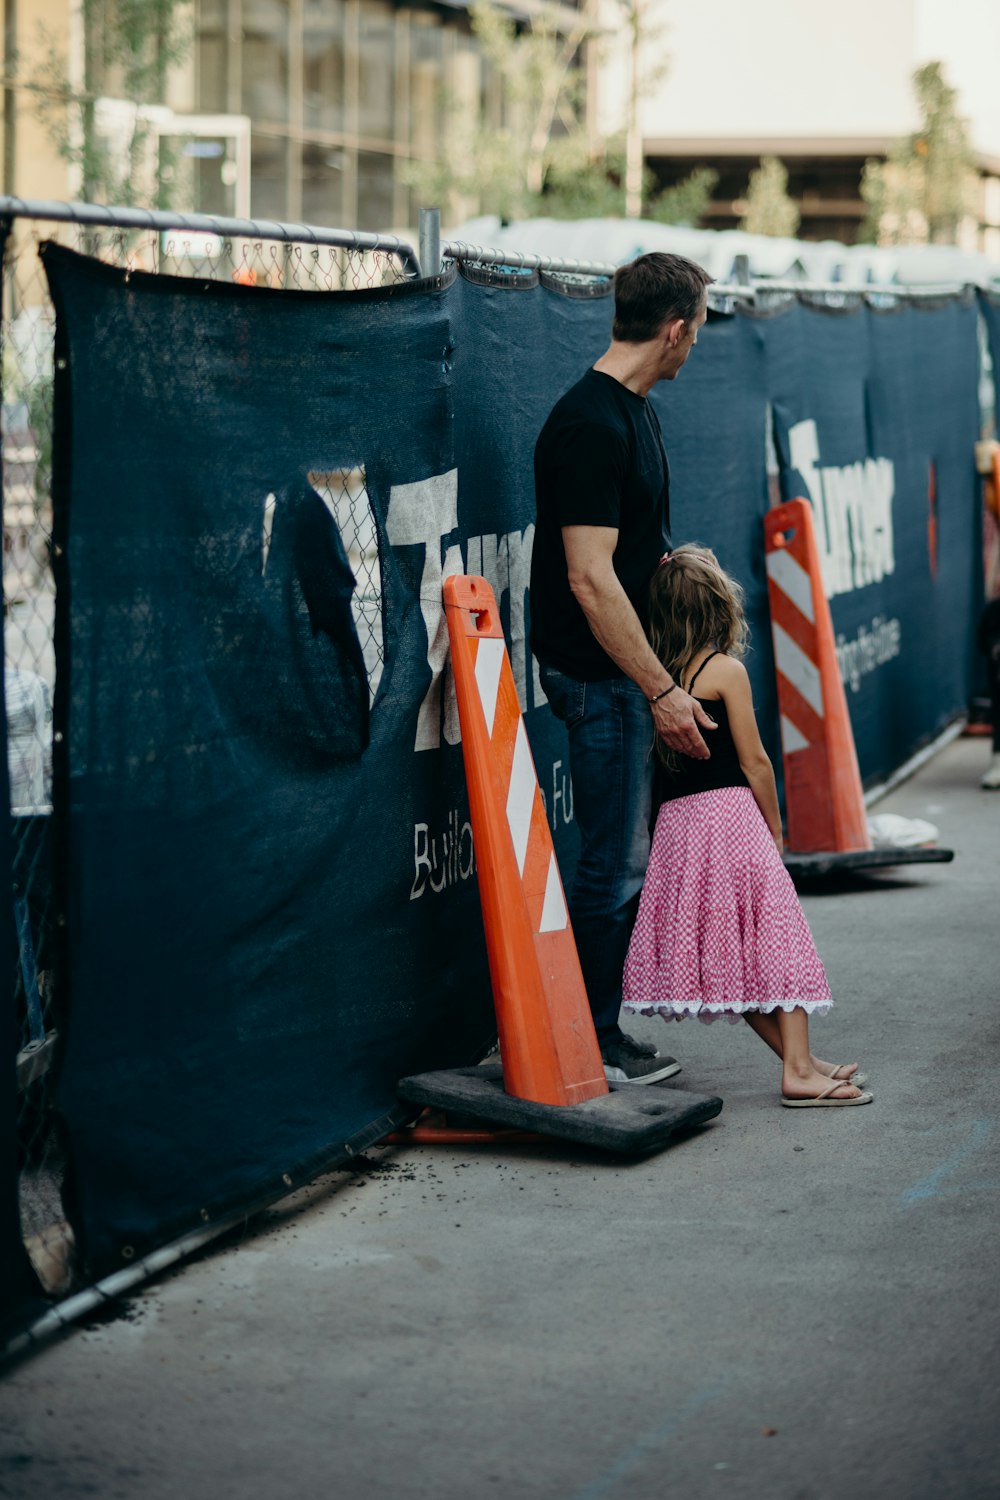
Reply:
x=599, y=461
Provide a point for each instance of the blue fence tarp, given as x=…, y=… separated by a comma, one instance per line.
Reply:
x=272, y=910
x=876, y=415
x=247, y=973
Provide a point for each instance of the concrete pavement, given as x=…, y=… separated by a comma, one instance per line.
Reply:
x=786, y=1305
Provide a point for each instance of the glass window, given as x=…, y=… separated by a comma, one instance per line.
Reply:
x=375, y=191
x=268, y=177
x=323, y=64
x=211, y=195
x=202, y=173
x=426, y=80
x=376, y=56
x=323, y=185
x=265, y=59
x=212, y=71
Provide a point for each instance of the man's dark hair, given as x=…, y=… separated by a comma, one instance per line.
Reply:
x=654, y=289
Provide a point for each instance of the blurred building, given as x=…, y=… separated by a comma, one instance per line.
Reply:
x=31, y=30
x=341, y=94
x=332, y=99
x=823, y=87
x=72, y=126
x=313, y=110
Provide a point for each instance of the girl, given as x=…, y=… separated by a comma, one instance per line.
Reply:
x=720, y=931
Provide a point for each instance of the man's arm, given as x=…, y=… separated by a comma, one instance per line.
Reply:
x=615, y=624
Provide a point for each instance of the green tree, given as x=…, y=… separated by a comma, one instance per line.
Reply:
x=594, y=187
x=769, y=209
x=504, y=165
x=926, y=186
x=581, y=185
x=130, y=47
x=647, y=66
x=615, y=179
x=687, y=200
x=540, y=159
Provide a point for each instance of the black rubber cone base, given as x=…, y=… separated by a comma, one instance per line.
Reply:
x=863, y=859
x=632, y=1119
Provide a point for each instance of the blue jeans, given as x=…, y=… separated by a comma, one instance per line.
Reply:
x=611, y=764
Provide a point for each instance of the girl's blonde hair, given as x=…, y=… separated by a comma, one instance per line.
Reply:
x=694, y=604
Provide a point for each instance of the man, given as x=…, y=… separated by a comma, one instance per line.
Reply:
x=602, y=492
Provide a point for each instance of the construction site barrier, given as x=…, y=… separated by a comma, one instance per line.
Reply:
x=551, y=1076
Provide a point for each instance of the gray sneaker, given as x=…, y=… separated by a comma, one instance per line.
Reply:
x=642, y=1049
x=991, y=781
x=626, y=1061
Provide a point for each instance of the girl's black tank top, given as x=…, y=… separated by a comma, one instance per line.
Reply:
x=721, y=769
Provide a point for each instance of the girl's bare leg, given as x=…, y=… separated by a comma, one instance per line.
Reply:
x=799, y=1078
x=765, y=1024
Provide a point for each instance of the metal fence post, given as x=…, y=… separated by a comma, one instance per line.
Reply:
x=429, y=241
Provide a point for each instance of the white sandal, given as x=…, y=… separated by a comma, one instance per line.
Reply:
x=823, y=1100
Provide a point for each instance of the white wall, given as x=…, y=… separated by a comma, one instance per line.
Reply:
x=812, y=67
x=966, y=35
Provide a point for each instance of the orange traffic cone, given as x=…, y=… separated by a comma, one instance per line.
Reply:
x=552, y=1077
x=547, y=1039
x=824, y=803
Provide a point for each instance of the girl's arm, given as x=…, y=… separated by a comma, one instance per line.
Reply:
x=734, y=685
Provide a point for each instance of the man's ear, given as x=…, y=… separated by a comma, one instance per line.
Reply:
x=674, y=331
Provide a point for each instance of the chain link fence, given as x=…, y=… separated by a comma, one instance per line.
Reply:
x=274, y=256
x=280, y=257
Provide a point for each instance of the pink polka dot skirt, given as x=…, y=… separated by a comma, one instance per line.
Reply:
x=720, y=930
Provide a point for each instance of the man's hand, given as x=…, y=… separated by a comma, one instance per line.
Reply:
x=678, y=718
